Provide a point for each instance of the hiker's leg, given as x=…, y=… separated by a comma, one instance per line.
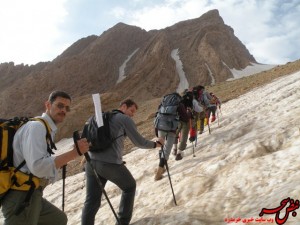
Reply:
x=168, y=144
x=208, y=112
x=93, y=195
x=171, y=137
x=213, y=110
x=50, y=214
x=178, y=132
x=162, y=134
x=176, y=140
x=194, y=120
x=121, y=176
x=184, y=135
x=29, y=216
x=202, y=118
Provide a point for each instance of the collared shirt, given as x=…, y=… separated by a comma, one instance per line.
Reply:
x=30, y=144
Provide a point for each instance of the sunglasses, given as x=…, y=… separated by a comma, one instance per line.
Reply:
x=61, y=106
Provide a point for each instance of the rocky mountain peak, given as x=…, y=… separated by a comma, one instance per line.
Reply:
x=128, y=61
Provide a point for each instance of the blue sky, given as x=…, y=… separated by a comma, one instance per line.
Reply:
x=39, y=30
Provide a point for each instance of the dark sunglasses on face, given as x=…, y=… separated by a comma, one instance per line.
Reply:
x=61, y=106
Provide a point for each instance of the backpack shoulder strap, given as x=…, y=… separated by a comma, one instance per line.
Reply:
x=114, y=112
x=50, y=143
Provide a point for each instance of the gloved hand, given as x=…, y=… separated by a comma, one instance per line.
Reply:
x=191, y=139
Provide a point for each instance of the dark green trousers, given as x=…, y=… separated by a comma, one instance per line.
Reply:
x=183, y=129
x=39, y=211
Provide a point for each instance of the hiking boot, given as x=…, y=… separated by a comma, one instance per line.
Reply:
x=159, y=173
x=174, y=152
x=213, y=118
x=178, y=157
x=164, y=170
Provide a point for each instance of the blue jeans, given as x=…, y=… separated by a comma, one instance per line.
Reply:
x=117, y=174
x=211, y=110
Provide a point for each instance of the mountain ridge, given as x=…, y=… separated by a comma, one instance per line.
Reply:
x=92, y=65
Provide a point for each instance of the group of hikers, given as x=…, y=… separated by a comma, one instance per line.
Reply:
x=177, y=124
x=175, y=121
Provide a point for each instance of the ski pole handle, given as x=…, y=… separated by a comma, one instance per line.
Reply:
x=159, y=143
x=76, y=137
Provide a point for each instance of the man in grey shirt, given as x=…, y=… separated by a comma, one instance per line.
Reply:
x=109, y=165
x=30, y=144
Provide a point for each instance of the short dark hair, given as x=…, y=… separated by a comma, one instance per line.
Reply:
x=200, y=87
x=129, y=102
x=55, y=94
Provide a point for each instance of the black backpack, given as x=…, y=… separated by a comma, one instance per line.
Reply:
x=99, y=137
x=187, y=99
x=167, y=118
x=196, y=91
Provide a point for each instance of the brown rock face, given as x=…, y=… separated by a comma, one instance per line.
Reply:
x=207, y=48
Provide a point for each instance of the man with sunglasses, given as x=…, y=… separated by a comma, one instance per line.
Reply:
x=30, y=144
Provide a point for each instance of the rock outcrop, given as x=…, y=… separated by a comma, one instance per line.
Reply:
x=207, y=48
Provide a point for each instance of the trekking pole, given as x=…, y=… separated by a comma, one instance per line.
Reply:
x=218, y=118
x=208, y=124
x=64, y=173
x=197, y=128
x=193, y=132
x=162, y=149
x=193, y=149
x=76, y=137
x=196, y=138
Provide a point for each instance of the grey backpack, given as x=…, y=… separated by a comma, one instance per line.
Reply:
x=167, y=118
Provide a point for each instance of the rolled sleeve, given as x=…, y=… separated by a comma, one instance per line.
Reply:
x=196, y=106
x=38, y=160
